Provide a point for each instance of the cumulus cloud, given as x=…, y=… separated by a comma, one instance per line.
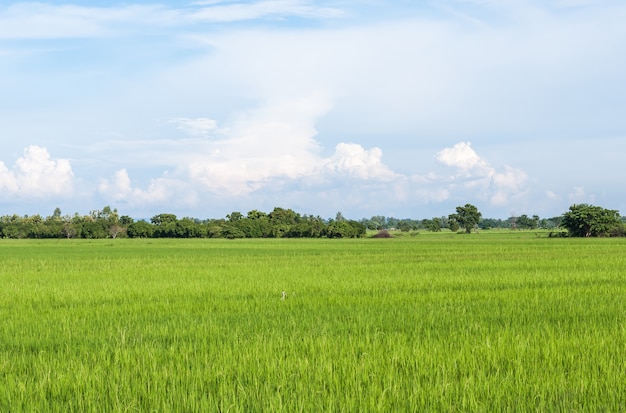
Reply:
x=272, y=150
x=36, y=175
x=119, y=188
x=268, y=148
x=353, y=160
x=464, y=158
x=275, y=141
x=473, y=173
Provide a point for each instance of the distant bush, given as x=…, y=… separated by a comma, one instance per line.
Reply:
x=618, y=231
x=557, y=234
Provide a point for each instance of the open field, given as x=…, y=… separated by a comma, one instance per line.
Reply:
x=496, y=321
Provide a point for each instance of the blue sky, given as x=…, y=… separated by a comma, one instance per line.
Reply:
x=404, y=108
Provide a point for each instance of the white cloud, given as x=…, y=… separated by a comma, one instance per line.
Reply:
x=464, y=158
x=240, y=165
x=273, y=148
x=160, y=191
x=353, y=160
x=265, y=148
x=8, y=181
x=276, y=141
x=36, y=175
x=474, y=174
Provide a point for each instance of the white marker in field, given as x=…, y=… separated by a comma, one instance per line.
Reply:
x=284, y=295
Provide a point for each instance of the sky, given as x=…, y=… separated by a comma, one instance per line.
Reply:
x=403, y=108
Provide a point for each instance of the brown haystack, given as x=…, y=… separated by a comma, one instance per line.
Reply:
x=383, y=233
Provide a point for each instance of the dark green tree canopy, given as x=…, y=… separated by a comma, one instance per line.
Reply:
x=162, y=219
x=467, y=217
x=584, y=220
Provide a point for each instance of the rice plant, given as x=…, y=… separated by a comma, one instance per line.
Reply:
x=442, y=322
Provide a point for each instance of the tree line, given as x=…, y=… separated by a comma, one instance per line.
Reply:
x=108, y=223
x=581, y=220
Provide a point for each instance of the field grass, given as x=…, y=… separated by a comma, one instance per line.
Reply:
x=496, y=321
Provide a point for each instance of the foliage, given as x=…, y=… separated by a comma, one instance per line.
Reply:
x=467, y=217
x=432, y=225
x=140, y=229
x=345, y=229
x=584, y=220
x=526, y=222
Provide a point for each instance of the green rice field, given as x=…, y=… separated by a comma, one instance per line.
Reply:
x=496, y=321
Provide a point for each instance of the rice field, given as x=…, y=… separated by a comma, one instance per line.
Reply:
x=495, y=321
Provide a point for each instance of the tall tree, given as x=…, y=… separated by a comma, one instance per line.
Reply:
x=466, y=217
x=584, y=220
x=433, y=225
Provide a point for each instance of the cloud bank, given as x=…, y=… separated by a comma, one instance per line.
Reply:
x=36, y=175
x=236, y=170
x=270, y=148
x=271, y=153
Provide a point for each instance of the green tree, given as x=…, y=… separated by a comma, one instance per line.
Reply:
x=161, y=219
x=526, y=222
x=256, y=214
x=345, y=229
x=88, y=227
x=56, y=215
x=140, y=229
x=281, y=221
x=69, y=227
x=406, y=225
x=584, y=220
x=189, y=228
x=215, y=227
x=234, y=216
x=433, y=225
x=378, y=222
x=126, y=220
x=53, y=227
x=467, y=217
x=164, y=226
x=231, y=231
